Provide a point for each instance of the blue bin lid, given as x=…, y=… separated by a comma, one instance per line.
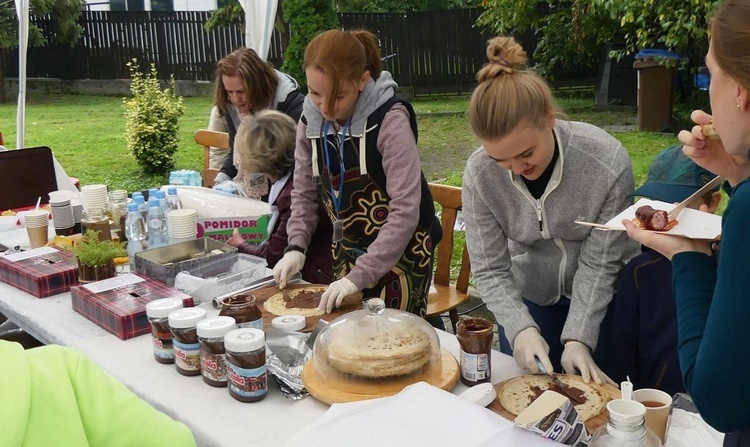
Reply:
x=654, y=53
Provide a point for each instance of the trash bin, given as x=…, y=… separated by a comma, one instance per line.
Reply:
x=655, y=88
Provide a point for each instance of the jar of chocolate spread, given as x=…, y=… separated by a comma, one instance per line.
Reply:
x=213, y=358
x=244, y=311
x=246, y=359
x=475, y=338
x=187, y=349
x=158, y=312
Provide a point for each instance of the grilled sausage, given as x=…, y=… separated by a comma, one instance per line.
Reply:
x=652, y=219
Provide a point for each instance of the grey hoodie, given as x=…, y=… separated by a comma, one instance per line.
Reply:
x=511, y=258
x=375, y=94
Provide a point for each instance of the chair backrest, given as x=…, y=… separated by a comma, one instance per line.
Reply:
x=209, y=138
x=449, y=198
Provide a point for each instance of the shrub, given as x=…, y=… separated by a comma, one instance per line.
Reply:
x=151, y=129
x=307, y=19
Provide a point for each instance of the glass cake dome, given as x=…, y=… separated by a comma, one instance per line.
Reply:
x=376, y=343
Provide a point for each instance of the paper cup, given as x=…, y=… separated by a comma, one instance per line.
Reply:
x=37, y=236
x=658, y=405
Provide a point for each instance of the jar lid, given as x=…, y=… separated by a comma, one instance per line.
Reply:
x=244, y=340
x=186, y=318
x=215, y=327
x=289, y=322
x=162, y=307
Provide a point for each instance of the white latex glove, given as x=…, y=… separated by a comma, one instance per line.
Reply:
x=335, y=294
x=577, y=355
x=529, y=343
x=288, y=266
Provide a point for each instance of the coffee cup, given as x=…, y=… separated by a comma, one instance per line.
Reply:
x=658, y=405
x=36, y=223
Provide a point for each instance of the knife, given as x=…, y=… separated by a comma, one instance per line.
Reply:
x=685, y=203
x=563, y=387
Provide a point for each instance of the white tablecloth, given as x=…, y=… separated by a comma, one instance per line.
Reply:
x=215, y=418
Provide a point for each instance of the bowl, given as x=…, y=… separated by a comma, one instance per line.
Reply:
x=8, y=223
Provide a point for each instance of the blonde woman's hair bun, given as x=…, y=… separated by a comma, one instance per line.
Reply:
x=505, y=55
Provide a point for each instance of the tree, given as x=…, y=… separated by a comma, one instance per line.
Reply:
x=678, y=25
x=63, y=15
x=400, y=5
x=306, y=18
x=569, y=32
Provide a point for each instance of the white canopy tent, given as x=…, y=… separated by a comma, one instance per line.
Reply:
x=259, y=19
x=22, y=9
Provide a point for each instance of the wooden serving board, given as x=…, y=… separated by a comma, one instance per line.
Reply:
x=592, y=424
x=353, y=302
x=337, y=389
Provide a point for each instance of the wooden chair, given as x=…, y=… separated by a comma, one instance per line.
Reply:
x=447, y=297
x=208, y=138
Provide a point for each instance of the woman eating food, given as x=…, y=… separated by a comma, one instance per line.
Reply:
x=547, y=280
x=713, y=309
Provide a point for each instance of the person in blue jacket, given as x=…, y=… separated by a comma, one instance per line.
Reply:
x=638, y=336
x=710, y=280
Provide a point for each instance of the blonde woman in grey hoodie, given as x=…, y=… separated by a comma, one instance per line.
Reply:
x=547, y=280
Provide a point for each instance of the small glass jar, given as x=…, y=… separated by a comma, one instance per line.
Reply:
x=475, y=338
x=118, y=210
x=244, y=311
x=246, y=359
x=187, y=349
x=96, y=219
x=158, y=312
x=213, y=356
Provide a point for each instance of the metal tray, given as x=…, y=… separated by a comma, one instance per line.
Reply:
x=164, y=263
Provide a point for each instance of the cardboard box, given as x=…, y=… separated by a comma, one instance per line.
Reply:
x=119, y=304
x=42, y=272
x=252, y=228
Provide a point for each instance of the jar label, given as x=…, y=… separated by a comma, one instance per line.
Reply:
x=187, y=356
x=214, y=366
x=247, y=382
x=163, y=348
x=257, y=324
x=474, y=367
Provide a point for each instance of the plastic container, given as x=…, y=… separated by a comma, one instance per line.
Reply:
x=226, y=275
x=655, y=88
x=211, y=333
x=375, y=344
x=625, y=427
x=165, y=263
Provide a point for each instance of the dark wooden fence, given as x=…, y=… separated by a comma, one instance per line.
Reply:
x=437, y=51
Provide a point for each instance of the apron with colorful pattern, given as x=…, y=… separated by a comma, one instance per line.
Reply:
x=364, y=206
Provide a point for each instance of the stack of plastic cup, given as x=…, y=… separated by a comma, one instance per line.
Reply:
x=182, y=225
x=94, y=197
x=36, y=222
x=62, y=212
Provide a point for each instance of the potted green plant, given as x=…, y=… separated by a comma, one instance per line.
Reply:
x=96, y=259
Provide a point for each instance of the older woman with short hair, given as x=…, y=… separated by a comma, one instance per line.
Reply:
x=265, y=144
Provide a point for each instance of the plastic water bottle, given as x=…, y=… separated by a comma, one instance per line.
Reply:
x=157, y=225
x=173, y=200
x=135, y=231
x=162, y=196
x=142, y=206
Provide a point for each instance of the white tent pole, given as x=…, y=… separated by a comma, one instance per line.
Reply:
x=22, y=9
